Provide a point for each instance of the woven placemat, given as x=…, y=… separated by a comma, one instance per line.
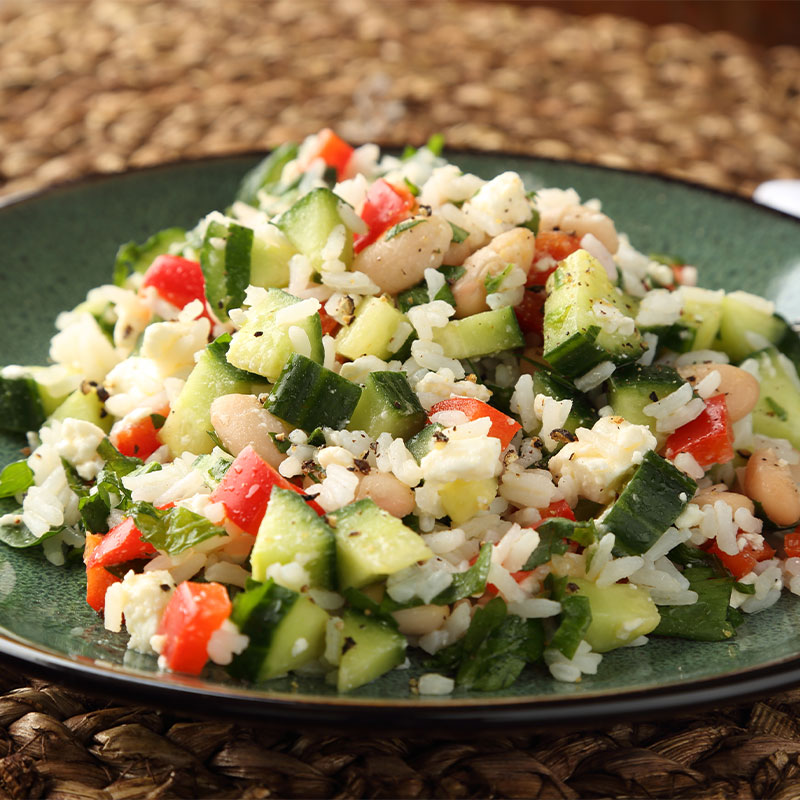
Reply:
x=102, y=86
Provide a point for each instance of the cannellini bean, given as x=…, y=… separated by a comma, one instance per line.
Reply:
x=740, y=388
x=389, y=493
x=580, y=220
x=512, y=247
x=768, y=480
x=719, y=491
x=398, y=263
x=240, y=420
x=420, y=620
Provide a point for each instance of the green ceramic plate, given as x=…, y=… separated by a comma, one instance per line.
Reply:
x=56, y=245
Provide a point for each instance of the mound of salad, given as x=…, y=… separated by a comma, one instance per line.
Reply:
x=380, y=403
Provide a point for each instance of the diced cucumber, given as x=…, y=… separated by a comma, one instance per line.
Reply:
x=422, y=443
x=582, y=413
x=371, y=648
x=388, y=404
x=481, y=334
x=777, y=413
x=699, y=321
x=574, y=338
x=132, y=257
x=21, y=408
x=292, y=531
x=309, y=223
x=633, y=387
x=266, y=174
x=189, y=420
x=649, y=504
x=371, y=544
x=748, y=324
x=286, y=630
x=621, y=613
x=263, y=346
x=84, y=403
x=462, y=499
x=225, y=259
x=372, y=329
x=310, y=396
x=703, y=621
x=269, y=259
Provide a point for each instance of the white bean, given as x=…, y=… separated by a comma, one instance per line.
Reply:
x=387, y=492
x=399, y=263
x=240, y=420
x=512, y=247
x=420, y=620
x=768, y=480
x=719, y=491
x=740, y=388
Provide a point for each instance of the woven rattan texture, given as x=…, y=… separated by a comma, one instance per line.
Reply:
x=62, y=745
x=100, y=85
x=104, y=85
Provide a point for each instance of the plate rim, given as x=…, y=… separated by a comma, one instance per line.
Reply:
x=420, y=715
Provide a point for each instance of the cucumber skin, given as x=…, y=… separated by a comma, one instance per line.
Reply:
x=21, y=408
x=301, y=391
x=387, y=403
x=648, y=505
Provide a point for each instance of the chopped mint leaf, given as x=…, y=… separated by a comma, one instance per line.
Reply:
x=576, y=616
x=158, y=420
x=15, y=478
x=494, y=282
x=173, y=530
x=435, y=144
x=412, y=187
x=777, y=410
x=400, y=227
x=533, y=223
x=459, y=234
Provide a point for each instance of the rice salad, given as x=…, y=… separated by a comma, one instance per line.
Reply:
x=379, y=404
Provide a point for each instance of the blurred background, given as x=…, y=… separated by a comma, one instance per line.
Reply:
x=709, y=91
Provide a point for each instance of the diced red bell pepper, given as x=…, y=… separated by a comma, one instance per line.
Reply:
x=328, y=324
x=246, y=488
x=178, y=280
x=384, y=206
x=555, y=245
x=708, y=437
x=98, y=578
x=503, y=427
x=558, y=508
x=138, y=438
x=742, y=562
x=334, y=151
x=791, y=543
x=193, y=613
x=122, y=543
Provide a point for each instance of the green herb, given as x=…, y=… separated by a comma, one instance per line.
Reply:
x=494, y=282
x=576, y=617
x=533, y=223
x=459, y=234
x=214, y=436
x=777, y=410
x=158, y=421
x=408, y=152
x=316, y=438
x=435, y=144
x=266, y=175
x=666, y=258
x=469, y=583
x=173, y=530
x=553, y=533
x=400, y=227
x=744, y=588
x=452, y=273
x=15, y=478
x=494, y=650
x=132, y=257
x=412, y=187
x=76, y=483
x=283, y=444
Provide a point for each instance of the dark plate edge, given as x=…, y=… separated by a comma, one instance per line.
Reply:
x=18, y=198
x=566, y=711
